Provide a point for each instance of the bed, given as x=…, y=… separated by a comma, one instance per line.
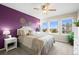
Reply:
x=39, y=42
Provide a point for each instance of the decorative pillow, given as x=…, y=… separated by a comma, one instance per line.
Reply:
x=29, y=32
x=21, y=32
x=24, y=31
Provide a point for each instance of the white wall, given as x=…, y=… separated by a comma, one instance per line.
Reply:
x=78, y=15
x=76, y=38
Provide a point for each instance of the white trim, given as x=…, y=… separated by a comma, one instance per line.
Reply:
x=54, y=33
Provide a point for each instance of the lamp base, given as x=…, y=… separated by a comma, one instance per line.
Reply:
x=7, y=36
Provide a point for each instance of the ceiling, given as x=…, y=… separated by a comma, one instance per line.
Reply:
x=27, y=8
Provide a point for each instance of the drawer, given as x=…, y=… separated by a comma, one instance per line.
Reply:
x=10, y=41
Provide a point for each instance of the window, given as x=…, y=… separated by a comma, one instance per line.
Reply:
x=54, y=26
x=44, y=27
x=67, y=25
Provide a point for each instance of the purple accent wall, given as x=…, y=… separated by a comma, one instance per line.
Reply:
x=9, y=18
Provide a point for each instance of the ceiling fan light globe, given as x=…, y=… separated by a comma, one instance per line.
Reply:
x=44, y=11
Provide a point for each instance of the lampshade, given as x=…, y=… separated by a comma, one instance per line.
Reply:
x=6, y=32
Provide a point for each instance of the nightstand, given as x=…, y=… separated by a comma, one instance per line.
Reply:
x=10, y=43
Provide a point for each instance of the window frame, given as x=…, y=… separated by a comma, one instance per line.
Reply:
x=57, y=26
x=65, y=19
x=42, y=25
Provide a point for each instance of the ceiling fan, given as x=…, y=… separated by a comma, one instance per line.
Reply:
x=45, y=8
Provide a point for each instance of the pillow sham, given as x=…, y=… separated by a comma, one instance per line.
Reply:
x=24, y=31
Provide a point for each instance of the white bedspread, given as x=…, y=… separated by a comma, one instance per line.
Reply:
x=48, y=43
x=39, y=34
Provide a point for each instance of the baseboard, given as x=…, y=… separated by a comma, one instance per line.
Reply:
x=2, y=49
x=61, y=41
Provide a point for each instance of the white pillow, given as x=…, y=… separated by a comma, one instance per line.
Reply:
x=24, y=30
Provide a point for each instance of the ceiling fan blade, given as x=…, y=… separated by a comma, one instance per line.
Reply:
x=36, y=8
x=47, y=4
x=52, y=9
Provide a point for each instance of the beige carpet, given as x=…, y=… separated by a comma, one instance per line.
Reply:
x=58, y=49
x=61, y=49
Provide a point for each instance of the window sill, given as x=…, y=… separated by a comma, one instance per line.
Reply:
x=58, y=34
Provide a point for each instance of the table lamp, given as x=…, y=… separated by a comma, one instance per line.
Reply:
x=6, y=32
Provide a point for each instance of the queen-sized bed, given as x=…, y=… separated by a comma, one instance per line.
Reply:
x=39, y=42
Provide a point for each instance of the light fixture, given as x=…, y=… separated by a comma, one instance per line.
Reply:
x=45, y=8
x=44, y=11
x=6, y=32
